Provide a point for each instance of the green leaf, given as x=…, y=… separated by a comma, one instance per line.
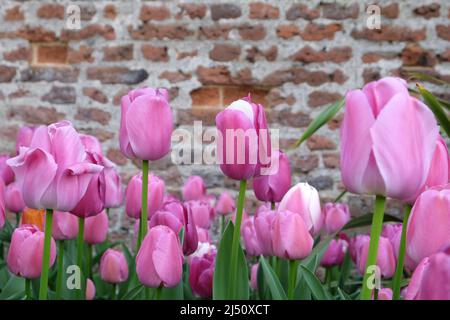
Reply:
x=276, y=289
x=366, y=220
x=302, y=291
x=221, y=282
x=263, y=290
x=343, y=295
x=317, y=289
x=345, y=269
x=133, y=293
x=175, y=293
x=436, y=107
x=320, y=121
x=13, y=289
x=427, y=77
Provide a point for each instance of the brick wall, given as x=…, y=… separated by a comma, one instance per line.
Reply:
x=293, y=56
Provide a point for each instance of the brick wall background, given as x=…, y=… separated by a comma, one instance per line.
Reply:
x=293, y=56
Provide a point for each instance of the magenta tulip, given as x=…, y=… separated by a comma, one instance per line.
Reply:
x=429, y=224
x=336, y=215
x=243, y=146
x=201, y=272
x=355, y=245
x=96, y=228
x=65, y=226
x=159, y=261
x=263, y=229
x=254, y=276
x=113, y=267
x=335, y=253
x=24, y=137
x=387, y=140
x=146, y=124
x=53, y=172
x=303, y=199
x=385, y=294
x=385, y=259
x=2, y=204
x=90, y=290
x=6, y=173
x=290, y=236
x=175, y=207
x=26, y=250
x=91, y=144
x=203, y=235
x=194, y=189
x=166, y=218
x=156, y=189
x=226, y=204
x=202, y=212
x=13, y=198
x=272, y=187
x=191, y=236
x=251, y=243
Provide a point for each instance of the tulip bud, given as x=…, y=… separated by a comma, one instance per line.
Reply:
x=6, y=173
x=113, y=267
x=290, y=237
x=2, y=204
x=355, y=245
x=13, y=198
x=146, y=124
x=191, y=237
x=251, y=243
x=156, y=189
x=254, y=276
x=113, y=188
x=335, y=253
x=96, y=228
x=303, y=199
x=65, y=226
x=385, y=258
x=201, y=272
x=175, y=207
x=225, y=204
x=202, y=212
x=90, y=290
x=336, y=215
x=263, y=230
x=160, y=259
x=194, y=189
x=384, y=294
x=166, y=218
x=272, y=187
x=393, y=232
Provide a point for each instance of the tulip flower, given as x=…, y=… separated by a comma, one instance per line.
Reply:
x=263, y=230
x=13, y=198
x=24, y=137
x=65, y=226
x=431, y=279
x=355, y=245
x=96, y=228
x=254, y=276
x=225, y=205
x=133, y=196
x=6, y=173
x=336, y=215
x=113, y=267
x=159, y=261
x=194, y=189
x=251, y=243
x=91, y=144
x=168, y=219
x=202, y=212
x=203, y=235
x=272, y=187
x=393, y=233
x=2, y=204
x=335, y=253
x=385, y=294
x=191, y=236
x=90, y=290
x=201, y=272
x=175, y=207
x=303, y=199
x=385, y=259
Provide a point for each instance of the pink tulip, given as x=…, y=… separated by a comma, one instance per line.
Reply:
x=431, y=279
x=191, y=236
x=335, y=253
x=243, y=146
x=273, y=187
x=303, y=199
x=26, y=250
x=96, y=228
x=113, y=183
x=2, y=204
x=263, y=230
x=201, y=272
x=203, y=235
x=385, y=258
x=194, y=189
x=251, y=244
x=355, y=245
x=113, y=267
x=175, y=207
x=53, y=173
x=146, y=124
x=393, y=232
x=387, y=140
x=160, y=259
x=133, y=196
x=13, y=198
x=90, y=290
x=6, y=173
x=202, y=212
x=65, y=226
x=225, y=204
x=385, y=294
x=24, y=137
x=429, y=224
x=91, y=144
x=254, y=276
x=168, y=219
x=336, y=215
x=290, y=236
x=265, y=207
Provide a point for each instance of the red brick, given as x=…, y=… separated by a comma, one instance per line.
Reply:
x=258, y=95
x=206, y=96
x=443, y=31
x=225, y=11
x=414, y=55
x=287, y=31
x=19, y=54
x=214, y=32
x=390, y=11
x=214, y=75
x=87, y=12
x=320, y=98
x=390, y=33
x=51, y=11
x=304, y=163
x=51, y=53
x=116, y=156
x=302, y=11
x=317, y=32
x=254, y=53
x=372, y=57
x=95, y=94
x=14, y=14
x=339, y=11
x=331, y=160
x=82, y=54
x=101, y=134
x=35, y=34
x=300, y=75
x=175, y=76
x=309, y=55
x=114, y=75
x=89, y=31
x=428, y=11
x=110, y=11
x=93, y=114
x=225, y=52
x=275, y=97
x=263, y=11
x=149, y=31
x=154, y=53
x=193, y=10
x=7, y=73
x=187, y=54
x=60, y=95
x=154, y=13
x=252, y=32
x=35, y=115
x=118, y=53
x=318, y=142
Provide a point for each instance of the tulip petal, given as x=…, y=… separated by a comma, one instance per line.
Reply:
x=67, y=148
x=167, y=258
x=124, y=141
x=380, y=92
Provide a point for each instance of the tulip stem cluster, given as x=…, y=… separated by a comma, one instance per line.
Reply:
x=59, y=268
x=293, y=266
x=401, y=255
x=46, y=256
x=375, y=233
x=144, y=211
x=80, y=247
x=236, y=237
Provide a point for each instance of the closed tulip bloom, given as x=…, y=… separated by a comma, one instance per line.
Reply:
x=242, y=158
x=113, y=184
x=2, y=204
x=202, y=212
x=26, y=250
x=159, y=261
x=387, y=140
x=272, y=187
x=191, y=236
x=393, y=232
x=429, y=224
x=90, y=290
x=96, y=228
x=290, y=236
x=91, y=144
x=53, y=172
x=385, y=294
x=254, y=276
x=168, y=219
x=146, y=124
x=194, y=189
x=335, y=253
x=24, y=137
x=201, y=273
x=113, y=267
x=336, y=215
x=6, y=173
x=13, y=198
x=303, y=199
x=251, y=244
x=225, y=204
x=385, y=259
x=355, y=245
x=65, y=226
x=263, y=230
x=156, y=189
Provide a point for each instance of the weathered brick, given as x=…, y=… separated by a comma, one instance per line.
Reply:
x=7, y=73
x=113, y=75
x=206, y=96
x=444, y=56
x=372, y=57
x=428, y=11
x=82, y=54
x=301, y=75
x=414, y=55
x=60, y=95
x=335, y=123
x=187, y=54
x=116, y=156
x=331, y=160
x=371, y=74
x=318, y=142
x=225, y=11
x=390, y=33
x=302, y=11
x=92, y=30
x=263, y=11
x=154, y=13
x=110, y=11
x=35, y=115
x=214, y=75
x=316, y=32
x=390, y=11
x=118, y=53
x=254, y=53
x=49, y=74
x=214, y=32
x=252, y=32
x=443, y=31
x=149, y=31
x=51, y=11
x=304, y=163
x=287, y=31
x=193, y=10
x=320, y=98
x=154, y=53
x=225, y=52
x=87, y=12
x=18, y=54
x=338, y=11
x=321, y=182
x=101, y=134
x=93, y=114
x=201, y=113
x=175, y=76
x=258, y=95
x=52, y=53
x=286, y=117
x=35, y=34
x=95, y=94
x=275, y=97
x=14, y=14
x=309, y=55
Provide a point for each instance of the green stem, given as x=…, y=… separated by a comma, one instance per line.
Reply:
x=59, y=269
x=89, y=261
x=158, y=293
x=272, y=205
x=1, y=250
x=144, y=208
x=80, y=247
x=236, y=239
x=375, y=232
x=401, y=255
x=222, y=224
x=375, y=294
x=43, y=287
x=293, y=266
x=339, y=197
x=17, y=219
x=28, y=289
x=114, y=292
x=148, y=293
